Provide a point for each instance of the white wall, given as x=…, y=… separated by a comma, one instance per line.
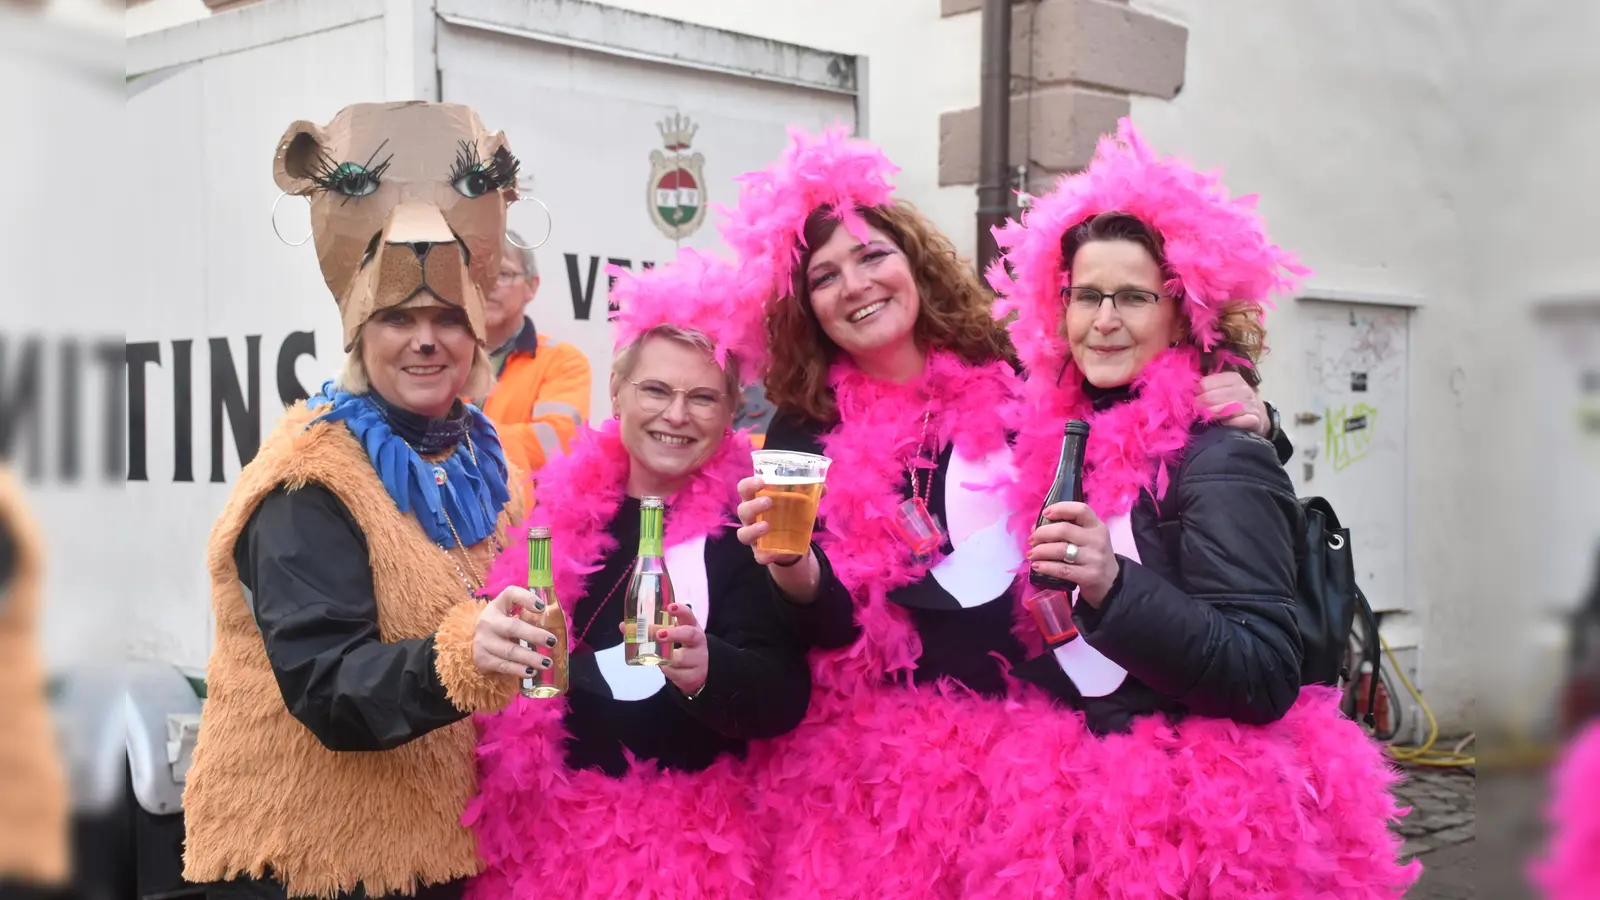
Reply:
x=1531, y=109
x=917, y=66
x=1344, y=117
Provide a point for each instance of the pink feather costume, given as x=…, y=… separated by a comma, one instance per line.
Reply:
x=1207, y=807
x=543, y=829
x=890, y=790
x=1570, y=869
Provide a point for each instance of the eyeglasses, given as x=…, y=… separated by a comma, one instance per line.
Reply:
x=506, y=278
x=654, y=397
x=1089, y=298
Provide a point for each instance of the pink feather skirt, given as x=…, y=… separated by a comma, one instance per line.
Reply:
x=1571, y=867
x=546, y=831
x=898, y=792
x=917, y=793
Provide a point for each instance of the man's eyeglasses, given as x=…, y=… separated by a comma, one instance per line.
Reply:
x=654, y=397
x=507, y=278
x=1089, y=298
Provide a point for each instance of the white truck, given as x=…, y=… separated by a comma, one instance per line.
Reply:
x=628, y=126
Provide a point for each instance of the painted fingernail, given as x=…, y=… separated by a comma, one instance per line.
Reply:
x=529, y=670
x=546, y=663
x=550, y=641
x=1038, y=567
x=661, y=635
x=672, y=607
x=538, y=606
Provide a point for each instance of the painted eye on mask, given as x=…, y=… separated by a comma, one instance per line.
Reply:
x=350, y=179
x=472, y=177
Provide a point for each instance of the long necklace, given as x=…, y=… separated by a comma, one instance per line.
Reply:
x=476, y=583
x=578, y=641
x=914, y=468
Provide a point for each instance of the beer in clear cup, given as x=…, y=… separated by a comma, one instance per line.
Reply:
x=793, y=482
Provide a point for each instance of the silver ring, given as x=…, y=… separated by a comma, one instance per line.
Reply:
x=274, y=217
x=1071, y=555
x=549, y=218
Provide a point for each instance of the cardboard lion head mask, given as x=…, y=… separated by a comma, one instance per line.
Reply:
x=408, y=205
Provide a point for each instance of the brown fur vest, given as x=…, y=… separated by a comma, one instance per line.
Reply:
x=33, y=786
x=265, y=797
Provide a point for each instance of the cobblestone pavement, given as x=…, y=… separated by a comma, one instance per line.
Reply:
x=1443, y=809
x=1441, y=831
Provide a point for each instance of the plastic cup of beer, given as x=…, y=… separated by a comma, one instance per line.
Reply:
x=793, y=481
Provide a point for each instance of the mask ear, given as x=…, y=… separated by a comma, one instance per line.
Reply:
x=495, y=147
x=300, y=149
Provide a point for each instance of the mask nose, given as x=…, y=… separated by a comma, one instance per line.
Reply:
x=419, y=226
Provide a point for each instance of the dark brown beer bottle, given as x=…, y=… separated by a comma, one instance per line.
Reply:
x=1068, y=487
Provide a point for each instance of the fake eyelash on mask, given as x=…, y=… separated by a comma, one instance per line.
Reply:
x=472, y=177
x=348, y=178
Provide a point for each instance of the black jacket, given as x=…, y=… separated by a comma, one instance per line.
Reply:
x=1205, y=625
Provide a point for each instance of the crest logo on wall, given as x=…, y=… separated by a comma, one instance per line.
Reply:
x=676, y=201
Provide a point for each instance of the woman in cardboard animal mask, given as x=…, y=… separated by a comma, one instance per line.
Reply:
x=353, y=638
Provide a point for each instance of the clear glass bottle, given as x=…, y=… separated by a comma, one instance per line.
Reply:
x=644, y=607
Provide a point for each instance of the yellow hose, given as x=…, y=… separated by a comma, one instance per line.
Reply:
x=1424, y=755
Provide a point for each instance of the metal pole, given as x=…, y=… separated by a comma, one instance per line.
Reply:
x=994, y=114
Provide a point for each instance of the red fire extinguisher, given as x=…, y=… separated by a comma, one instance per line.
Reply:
x=1380, y=703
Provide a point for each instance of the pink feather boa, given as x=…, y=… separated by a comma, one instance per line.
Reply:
x=1571, y=867
x=881, y=423
x=545, y=830
x=1216, y=246
x=1132, y=446
x=904, y=791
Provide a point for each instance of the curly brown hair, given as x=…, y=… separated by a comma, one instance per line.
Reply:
x=1243, y=332
x=954, y=312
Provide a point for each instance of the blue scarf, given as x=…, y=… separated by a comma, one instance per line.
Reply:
x=470, y=492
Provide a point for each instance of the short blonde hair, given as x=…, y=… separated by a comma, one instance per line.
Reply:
x=628, y=358
x=352, y=377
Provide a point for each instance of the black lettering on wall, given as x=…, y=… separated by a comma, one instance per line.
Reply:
x=19, y=403
x=138, y=355
x=68, y=458
x=582, y=289
x=611, y=282
x=110, y=356
x=244, y=415
x=182, y=411
x=296, y=345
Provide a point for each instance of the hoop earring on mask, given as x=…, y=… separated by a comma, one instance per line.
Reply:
x=550, y=220
x=274, y=217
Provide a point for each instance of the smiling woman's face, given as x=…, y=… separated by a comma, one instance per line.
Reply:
x=418, y=358
x=674, y=407
x=862, y=292
x=1112, y=345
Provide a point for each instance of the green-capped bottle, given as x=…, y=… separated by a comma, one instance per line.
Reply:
x=644, y=608
x=551, y=682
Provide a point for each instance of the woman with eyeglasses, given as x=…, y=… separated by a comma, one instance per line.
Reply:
x=1182, y=757
x=628, y=786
